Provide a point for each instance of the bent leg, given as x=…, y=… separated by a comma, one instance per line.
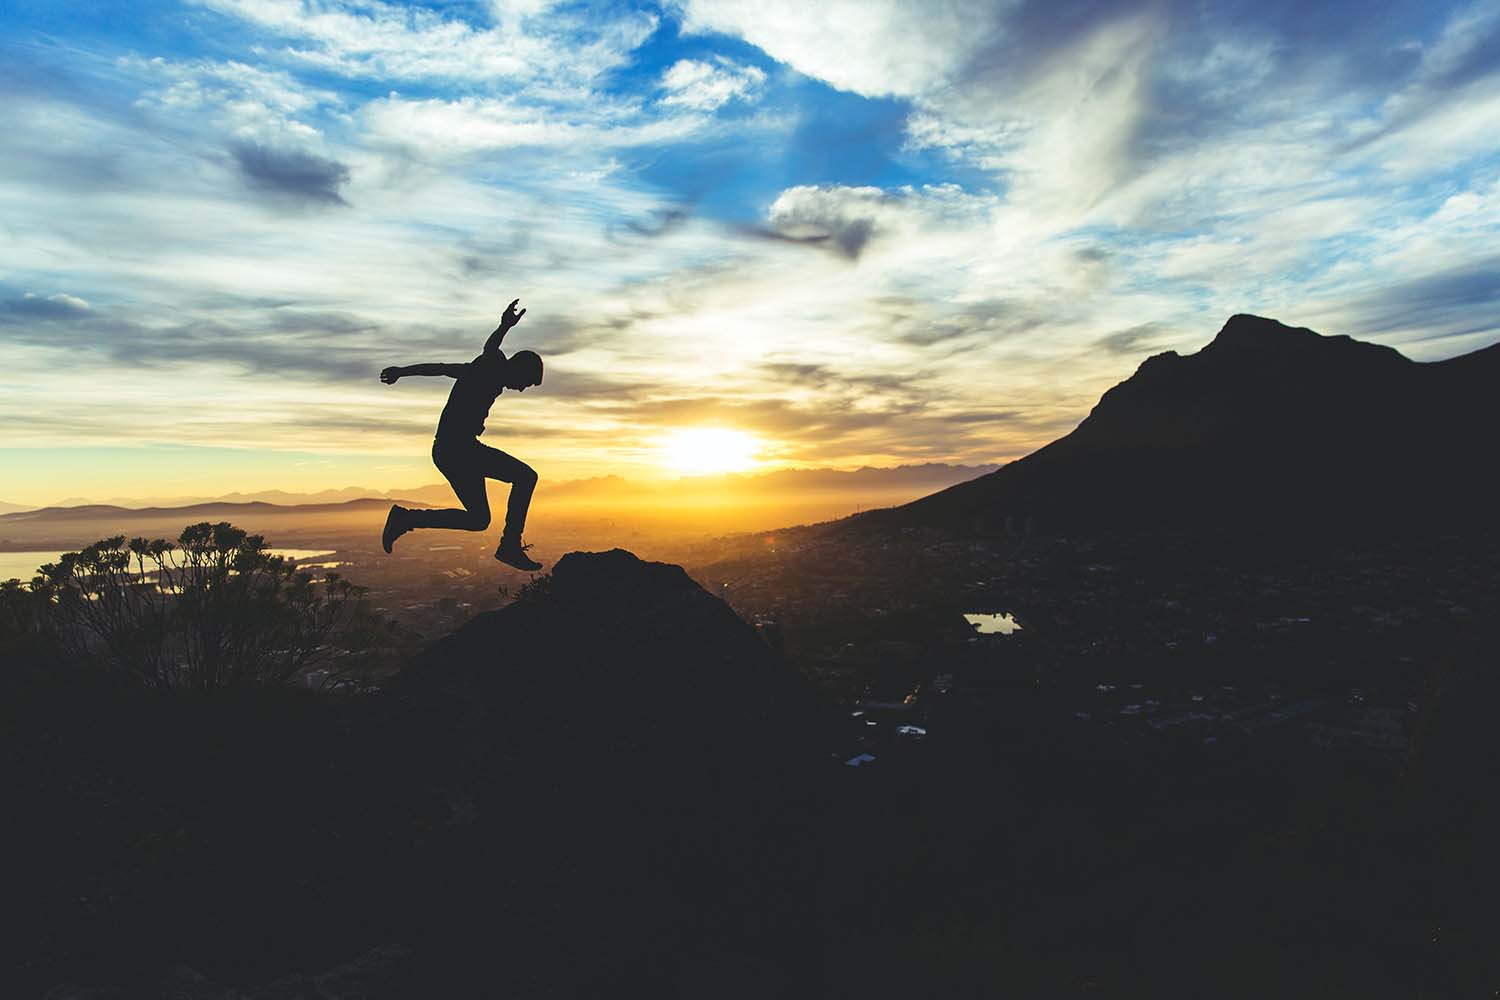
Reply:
x=463, y=467
x=522, y=478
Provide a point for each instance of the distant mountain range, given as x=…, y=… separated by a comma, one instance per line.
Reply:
x=1266, y=424
x=211, y=509
x=877, y=483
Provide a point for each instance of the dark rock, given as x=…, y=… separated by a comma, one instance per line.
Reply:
x=639, y=758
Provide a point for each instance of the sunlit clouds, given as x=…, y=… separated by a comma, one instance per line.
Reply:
x=855, y=233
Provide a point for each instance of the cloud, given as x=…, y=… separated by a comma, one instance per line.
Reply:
x=244, y=103
x=1132, y=340
x=557, y=48
x=707, y=86
x=30, y=306
x=848, y=219
x=1456, y=302
x=1462, y=58
x=991, y=320
x=198, y=83
x=299, y=176
x=871, y=47
x=1111, y=110
x=827, y=377
x=433, y=128
x=663, y=221
x=266, y=349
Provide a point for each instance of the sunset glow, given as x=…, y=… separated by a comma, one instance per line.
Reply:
x=700, y=451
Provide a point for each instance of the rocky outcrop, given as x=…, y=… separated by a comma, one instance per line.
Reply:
x=639, y=761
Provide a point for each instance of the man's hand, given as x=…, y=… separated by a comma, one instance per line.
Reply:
x=390, y=375
x=511, y=317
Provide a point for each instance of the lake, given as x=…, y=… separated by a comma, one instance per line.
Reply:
x=23, y=565
x=1003, y=624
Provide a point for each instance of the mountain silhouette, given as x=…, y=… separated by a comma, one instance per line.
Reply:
x=1268, y=424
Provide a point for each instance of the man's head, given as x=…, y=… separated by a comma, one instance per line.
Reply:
x=523, y=369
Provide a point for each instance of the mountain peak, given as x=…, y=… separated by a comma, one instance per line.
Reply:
x=1248, y=324
x=1259, y=333
x=1246, y=335
x=585, y=575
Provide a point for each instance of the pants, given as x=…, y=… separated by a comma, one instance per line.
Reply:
x=466, y=464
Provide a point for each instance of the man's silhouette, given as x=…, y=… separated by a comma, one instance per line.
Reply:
x=459, y=456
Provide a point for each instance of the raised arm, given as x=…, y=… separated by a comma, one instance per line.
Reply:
x=510, y=319
x=390, y=375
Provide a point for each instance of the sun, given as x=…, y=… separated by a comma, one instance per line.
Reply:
x=701, y=451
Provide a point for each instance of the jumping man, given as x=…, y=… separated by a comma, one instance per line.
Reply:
x=459, y=456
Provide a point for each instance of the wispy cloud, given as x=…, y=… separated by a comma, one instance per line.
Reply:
x=31, y=306
x=535, y=43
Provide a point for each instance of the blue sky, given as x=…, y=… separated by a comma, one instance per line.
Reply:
x=870, y=232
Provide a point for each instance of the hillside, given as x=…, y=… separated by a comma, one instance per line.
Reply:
x=1267, y=423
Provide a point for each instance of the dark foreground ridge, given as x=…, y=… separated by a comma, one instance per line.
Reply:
x=1266, y=424
x=613, y=788
x=597, y=790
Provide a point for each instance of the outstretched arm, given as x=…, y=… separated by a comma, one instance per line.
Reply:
x=510, y=319
x=390, y=375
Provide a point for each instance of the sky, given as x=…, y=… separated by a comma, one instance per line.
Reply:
x=860, y=231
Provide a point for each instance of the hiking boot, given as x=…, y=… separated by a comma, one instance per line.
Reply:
x=395, y=526
x=513, y=553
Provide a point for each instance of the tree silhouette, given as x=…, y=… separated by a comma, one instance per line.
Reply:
x=215, y=610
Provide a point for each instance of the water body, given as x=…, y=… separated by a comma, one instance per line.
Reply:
x=1002, y=624
x=302, y=555
x=23, y=565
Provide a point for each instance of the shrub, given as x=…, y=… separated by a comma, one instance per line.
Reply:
x=22, y=622
x=214, y=610
x=537, y=588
